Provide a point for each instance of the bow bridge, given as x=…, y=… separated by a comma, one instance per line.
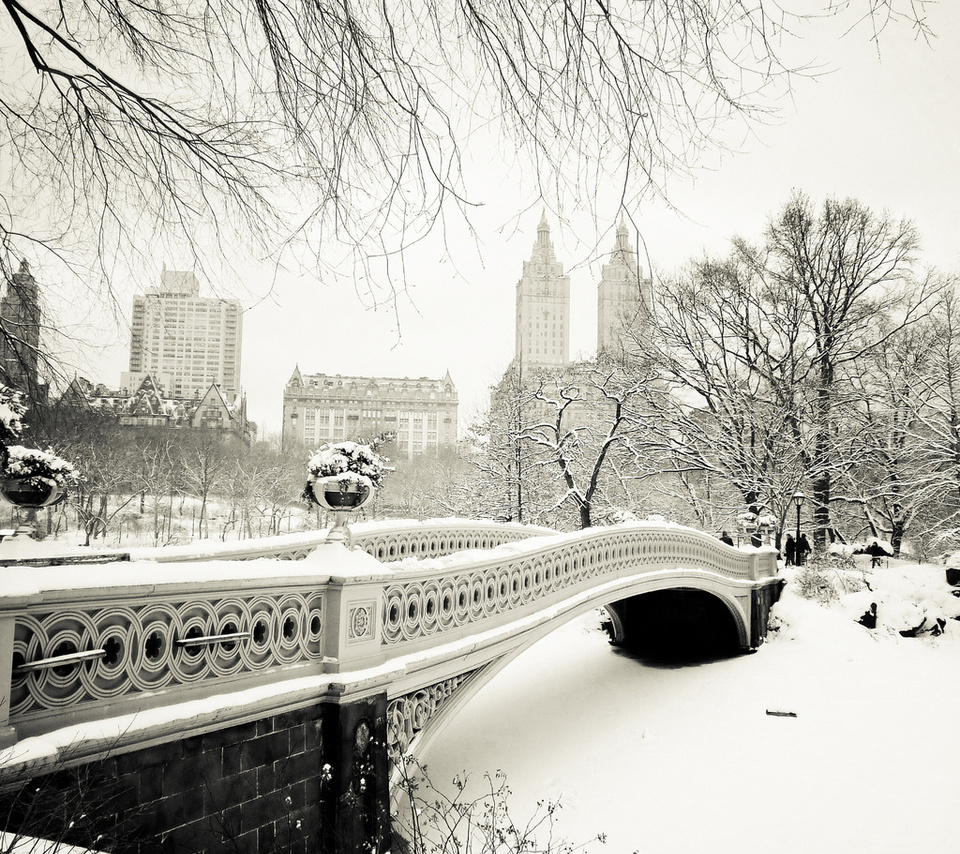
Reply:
x=256, y=702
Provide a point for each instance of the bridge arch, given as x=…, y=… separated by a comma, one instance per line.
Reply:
x=732, y=596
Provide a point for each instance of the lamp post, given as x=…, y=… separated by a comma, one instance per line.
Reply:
x=798, y=499
x=294, y=423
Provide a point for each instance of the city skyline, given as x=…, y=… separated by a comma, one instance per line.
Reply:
x=872, y=123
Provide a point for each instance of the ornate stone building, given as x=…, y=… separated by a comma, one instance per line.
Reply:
x=20, y=334
x=420, y=413
x=543, y=306
x=150, y=406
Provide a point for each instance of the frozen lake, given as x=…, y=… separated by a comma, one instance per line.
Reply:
x=687, y=759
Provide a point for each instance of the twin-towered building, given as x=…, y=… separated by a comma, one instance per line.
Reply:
x=543, y=302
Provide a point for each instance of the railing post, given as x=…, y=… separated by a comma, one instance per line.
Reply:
x=355, y=777
x=352, y=636
x=8, y=733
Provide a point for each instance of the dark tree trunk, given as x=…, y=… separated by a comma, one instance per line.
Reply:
x=896, y=536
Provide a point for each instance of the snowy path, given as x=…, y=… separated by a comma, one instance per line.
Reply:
x=684, y=760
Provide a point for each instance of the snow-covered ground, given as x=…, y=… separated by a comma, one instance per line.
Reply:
x=671, y=760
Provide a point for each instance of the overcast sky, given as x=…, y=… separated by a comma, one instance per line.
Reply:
x=883, y=129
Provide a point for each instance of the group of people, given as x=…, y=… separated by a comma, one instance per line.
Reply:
x=794, y=551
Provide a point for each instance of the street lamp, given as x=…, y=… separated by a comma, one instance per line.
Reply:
x=798, y=499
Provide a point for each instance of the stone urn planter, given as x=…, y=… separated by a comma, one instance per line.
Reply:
x=32, y=479
x=29, y=492
x=30, y=495
x=341, y=479
x=339, y=494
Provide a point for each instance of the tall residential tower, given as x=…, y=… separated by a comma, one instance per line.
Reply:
x=623, y=296
x=191, y=340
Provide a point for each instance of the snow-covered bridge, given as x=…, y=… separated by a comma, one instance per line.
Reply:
x=285, y=685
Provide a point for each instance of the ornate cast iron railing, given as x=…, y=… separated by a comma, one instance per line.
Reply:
x=433, y=597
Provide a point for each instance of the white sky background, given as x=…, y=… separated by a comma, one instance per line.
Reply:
x=880, y=128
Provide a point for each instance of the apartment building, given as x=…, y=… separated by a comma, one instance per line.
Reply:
x=192, y=340
x=420, y=413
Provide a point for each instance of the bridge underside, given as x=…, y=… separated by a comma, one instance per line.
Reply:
x=676, y=624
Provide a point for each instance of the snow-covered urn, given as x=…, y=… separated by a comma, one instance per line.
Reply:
x=341, y=477
x=35, y=478
x=32, y=479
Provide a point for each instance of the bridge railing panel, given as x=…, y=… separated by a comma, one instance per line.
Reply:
x=77, y=653
x=427, y=600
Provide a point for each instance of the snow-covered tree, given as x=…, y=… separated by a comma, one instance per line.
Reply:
x=730, y=392
x=586, y=424
x=763, y=355
x=852, y=269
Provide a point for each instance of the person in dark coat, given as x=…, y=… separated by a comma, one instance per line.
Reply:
x=876, y=551
x=789, y=550
x=726, y=538
x=803, y=549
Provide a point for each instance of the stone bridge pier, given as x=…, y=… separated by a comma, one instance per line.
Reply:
x=254, y=705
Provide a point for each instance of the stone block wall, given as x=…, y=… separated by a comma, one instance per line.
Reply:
x=252, y=788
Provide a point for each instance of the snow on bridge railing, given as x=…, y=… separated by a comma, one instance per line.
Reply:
x=385, y=540
x=78, y=643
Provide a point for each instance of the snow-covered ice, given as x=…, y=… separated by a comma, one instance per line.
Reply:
x=677, y=760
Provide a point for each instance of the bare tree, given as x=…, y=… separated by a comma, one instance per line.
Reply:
x=851, y=268
x=206, y=459
x=883, y=473
x=762, y=354
x=728, y=405
x=124, y=121
x=586, y=426
x=427, y=486
x=917, y=399
x=263, y=484
x=508, y=486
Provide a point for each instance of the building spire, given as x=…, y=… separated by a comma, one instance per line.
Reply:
x=543, y=230
x=543, y=247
